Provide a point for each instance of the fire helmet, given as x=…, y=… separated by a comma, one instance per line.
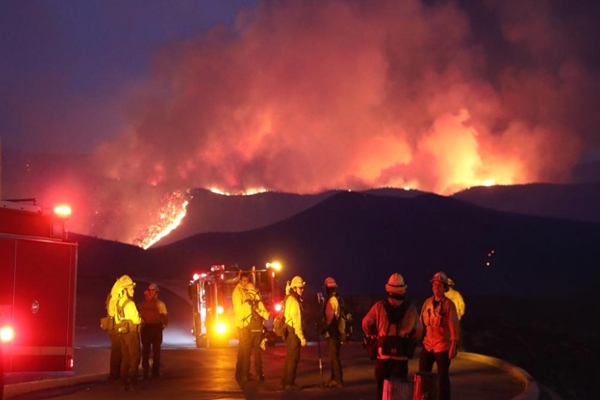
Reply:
x=154, y=287
x=330, y=282
x=250, y=287
x=440, y=276
x=126, y=281
x=396, y=284
x=297, y=282
x=450, y=282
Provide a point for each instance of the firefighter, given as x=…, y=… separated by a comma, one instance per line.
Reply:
x=332, y=313
x=238, y=298
x=254, y=330
x=154, y=319
x=440, y=320
x=294, y=336
x=115, y=344
x=128, y=322
x=376, y=323
x=459, y=302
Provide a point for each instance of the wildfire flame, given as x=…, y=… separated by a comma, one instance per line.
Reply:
x=248, y=192
x=170, y=216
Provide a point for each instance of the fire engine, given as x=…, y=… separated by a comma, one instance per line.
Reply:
x=38, y=267
x=212, y=308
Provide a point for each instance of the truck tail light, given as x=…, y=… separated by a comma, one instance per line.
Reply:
x=7, y=334
x=277, y=307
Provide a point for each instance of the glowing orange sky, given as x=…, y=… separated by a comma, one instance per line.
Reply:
x=306, y=96
x=303, y=96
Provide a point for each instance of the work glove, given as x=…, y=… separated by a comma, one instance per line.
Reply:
x=303, y=342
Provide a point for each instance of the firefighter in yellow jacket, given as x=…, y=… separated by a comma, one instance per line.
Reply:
x=253, y=330
x=154, y=316
x=128, y=322
x=115, y=343
x=241, y=314
x=459, y=302
x=294, y=336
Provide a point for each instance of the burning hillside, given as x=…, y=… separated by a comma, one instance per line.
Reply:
x=303, y=96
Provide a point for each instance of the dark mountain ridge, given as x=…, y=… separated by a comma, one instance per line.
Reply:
x=567, y=201
x=361, y=239
x=25, y=175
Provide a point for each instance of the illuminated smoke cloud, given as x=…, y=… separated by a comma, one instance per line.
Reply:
x=303, y=96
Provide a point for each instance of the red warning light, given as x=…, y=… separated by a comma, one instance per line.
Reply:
x=62, y=211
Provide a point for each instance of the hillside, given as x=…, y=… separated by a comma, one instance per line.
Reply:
x=361, y=239
x=530, y=306
x=574, y=202
x=115, y=209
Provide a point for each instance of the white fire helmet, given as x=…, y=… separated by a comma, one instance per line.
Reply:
x=396, y=284
x=330, y=282
x=297, y=282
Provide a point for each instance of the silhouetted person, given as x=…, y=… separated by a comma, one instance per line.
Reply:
x=154, y=319
x=332, y=313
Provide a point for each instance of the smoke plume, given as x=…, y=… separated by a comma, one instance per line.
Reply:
x=302, y=96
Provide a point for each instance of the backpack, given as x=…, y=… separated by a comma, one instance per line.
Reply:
x=120, y=314
x=345, y=322
x=123, y=325
x=279, y=321
x=256, y=321
x=395, y=315
x=108, y=323
x=395, y=345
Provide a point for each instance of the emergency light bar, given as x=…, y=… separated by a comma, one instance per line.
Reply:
x=62, y=211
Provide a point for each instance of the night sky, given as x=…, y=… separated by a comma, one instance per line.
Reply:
x=304, y=96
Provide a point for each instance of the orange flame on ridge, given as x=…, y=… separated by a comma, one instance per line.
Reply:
x=170, y=216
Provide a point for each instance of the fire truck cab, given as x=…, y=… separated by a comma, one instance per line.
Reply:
x=38, y=267
x=212, y=307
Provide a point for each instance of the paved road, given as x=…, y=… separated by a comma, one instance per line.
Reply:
x=199, y=374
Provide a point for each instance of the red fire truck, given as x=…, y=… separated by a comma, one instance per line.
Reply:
x=38, y=268
x=212, y=308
